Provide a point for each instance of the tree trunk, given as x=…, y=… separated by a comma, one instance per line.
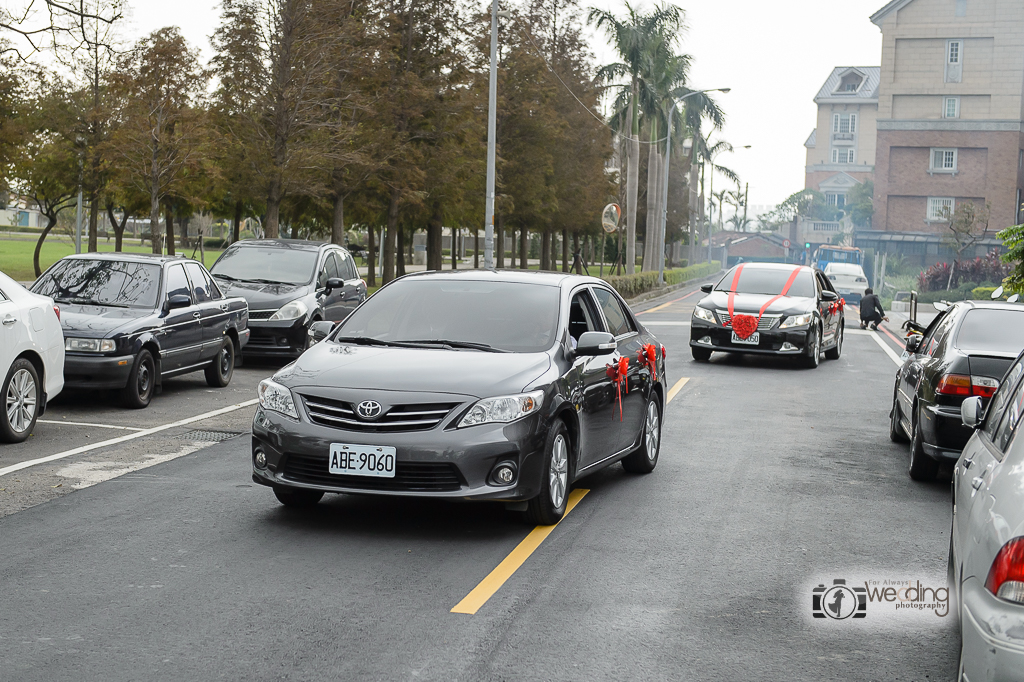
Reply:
x=51, y=221
x=512, y=253
x=94, y=211
x=434, y=238
x=476, y=248
x=183, y=223
x=371, y=258
x=651, y=228
x=693, y=207
x=118, y=227
x=338, y=224
x=236, y=223
x=575, y=250
x=390, y=238
x=272, y=225
x=154, y=220
x=632, y=187
x=499, y=234
x=545, y=249
x=565, y=249
x=170, y=231
x=455, y=249
x=524, y=248
x=400, y=252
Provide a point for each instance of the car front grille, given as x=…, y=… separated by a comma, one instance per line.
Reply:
x=338, y=414
x=261, y=314
x=434, y=477
x=764, y=324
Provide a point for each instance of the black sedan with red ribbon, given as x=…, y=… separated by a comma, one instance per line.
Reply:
x=769, y=308
x=474, y=385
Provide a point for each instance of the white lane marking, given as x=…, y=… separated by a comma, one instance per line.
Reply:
x=665, y=323
x=94, y=426
x=91, y=473
x=122, y=439
x=888, y=351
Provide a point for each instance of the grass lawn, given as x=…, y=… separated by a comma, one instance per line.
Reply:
x=16, y=254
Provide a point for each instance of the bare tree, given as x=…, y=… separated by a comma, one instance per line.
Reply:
x=967, y=225
x=33, y=26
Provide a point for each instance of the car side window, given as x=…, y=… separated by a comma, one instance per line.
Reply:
x=200, y=287
x=618, y=320
x=347, y=266
x=942, y=335
x=929, y=334
x=1001, y=399
x=582, y=317
x=327, y=270
x=211, y=286
x=177, y=283
x=1011, y=417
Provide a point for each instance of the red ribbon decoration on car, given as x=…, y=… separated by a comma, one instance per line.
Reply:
x=745, y=325
x=648, y=356
x=618, y=371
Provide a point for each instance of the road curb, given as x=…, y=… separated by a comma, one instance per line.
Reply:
x=657, y=293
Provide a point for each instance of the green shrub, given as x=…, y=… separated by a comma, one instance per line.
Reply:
x=982, y=293
x=631, y=286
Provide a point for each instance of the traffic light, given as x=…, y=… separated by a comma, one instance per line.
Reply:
x=807, y=245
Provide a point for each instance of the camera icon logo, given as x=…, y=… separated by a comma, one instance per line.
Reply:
x=839, y=601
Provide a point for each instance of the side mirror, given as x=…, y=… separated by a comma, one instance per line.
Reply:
x=829, y=296
x=970, y=412
x=335, y=283
x=319, y=330
x=178, y=301
x=706, y=288
x=596, y=343
x=914, y=343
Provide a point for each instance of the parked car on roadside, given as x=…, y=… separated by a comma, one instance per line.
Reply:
x=962, y=353
x=31, y=358
x=289, y=284
x=475, y=385
x=986, y=547
x=848, y=279
x=132, y=320
x=791, y=310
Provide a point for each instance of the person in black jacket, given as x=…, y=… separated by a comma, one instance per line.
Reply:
x=871, y=311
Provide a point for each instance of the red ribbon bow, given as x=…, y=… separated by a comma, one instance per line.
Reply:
x=617, y=371
x=648, y=356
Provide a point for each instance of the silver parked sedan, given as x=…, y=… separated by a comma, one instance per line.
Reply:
x=986, y=552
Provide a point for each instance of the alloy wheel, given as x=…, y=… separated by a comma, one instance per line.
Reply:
x=558, y=471
x=652, y=433
x=143, y=379
x=225, y=361
x=21, y=401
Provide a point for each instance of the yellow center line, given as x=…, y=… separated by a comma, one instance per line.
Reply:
x=676, y=388
x=472, y=602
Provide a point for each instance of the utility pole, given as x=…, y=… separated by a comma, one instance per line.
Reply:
x=492, y=117
x=78, y=223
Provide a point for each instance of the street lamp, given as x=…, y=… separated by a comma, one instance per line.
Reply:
x=492, y=114
x=664, y=191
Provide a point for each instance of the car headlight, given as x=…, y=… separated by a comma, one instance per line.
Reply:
x=704, y=314
x=274, y=396
x=797, y=320
x=506, y=408
x=90, y=345
x=291, y=311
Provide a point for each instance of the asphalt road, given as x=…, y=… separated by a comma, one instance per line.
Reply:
x=772, y=479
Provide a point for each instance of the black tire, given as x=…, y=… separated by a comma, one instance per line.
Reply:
x=700, y=354
x=813, y=357
x=896, y=432
x=548, y=507
x=20, y=398
x=141, y=382
x=219, y=371
x=297, y=498
x=922, y=467
x=645, y=458
x=835, y=351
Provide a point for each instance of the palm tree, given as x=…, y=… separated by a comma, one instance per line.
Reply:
x=699, y=106
x=636, y=37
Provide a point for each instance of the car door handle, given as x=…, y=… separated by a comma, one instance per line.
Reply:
x=968, y=463
x=9, y=320
x=977, y=482
x=224, y=307
x=197, y=314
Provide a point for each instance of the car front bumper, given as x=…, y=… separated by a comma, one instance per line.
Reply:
x=277, y=338
x=993, y=635
x=944, y=433
x=442, y=462
x=97, y=371
x=772, y=342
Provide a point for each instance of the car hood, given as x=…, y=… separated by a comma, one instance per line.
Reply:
x=263, y=296
x=463, y=372
x=94, y=321
x=751, y=303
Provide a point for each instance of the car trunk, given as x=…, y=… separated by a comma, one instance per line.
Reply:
x=993, y=366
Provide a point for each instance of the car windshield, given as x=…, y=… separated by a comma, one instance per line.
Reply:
x=768, y=281
x=992, y=329
x=509, y=316
x=282, y=265
x=101, y=282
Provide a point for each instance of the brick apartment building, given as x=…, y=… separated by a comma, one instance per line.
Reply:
x=950, y=111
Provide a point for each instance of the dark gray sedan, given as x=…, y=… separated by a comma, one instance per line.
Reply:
x=478, y=386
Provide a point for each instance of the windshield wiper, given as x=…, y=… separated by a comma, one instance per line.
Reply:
x=267, y=281
x=228, y=278
x=367, y=341
x=458, y=344
x=90, y=301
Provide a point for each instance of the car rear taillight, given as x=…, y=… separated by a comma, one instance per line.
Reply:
x=861, y=279
x=984, y=386
x=1006, y=577
x=963, y=385
x=57, y=311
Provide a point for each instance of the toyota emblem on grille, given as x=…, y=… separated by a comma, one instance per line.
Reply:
x=369, y=409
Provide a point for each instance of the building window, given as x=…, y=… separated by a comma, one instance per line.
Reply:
x=951, y=108
x=844, y=123
x=943, y=161
x=836, y=199
x=842, y=155
x=939, y=208
x=953, y=52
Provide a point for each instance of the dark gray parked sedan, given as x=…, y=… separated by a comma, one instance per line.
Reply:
x=478, y=386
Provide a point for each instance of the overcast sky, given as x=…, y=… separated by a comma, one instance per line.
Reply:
x=774, y=55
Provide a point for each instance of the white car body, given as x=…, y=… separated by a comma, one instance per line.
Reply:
x=988, y=515
x=29, y=327
x=847, y=279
